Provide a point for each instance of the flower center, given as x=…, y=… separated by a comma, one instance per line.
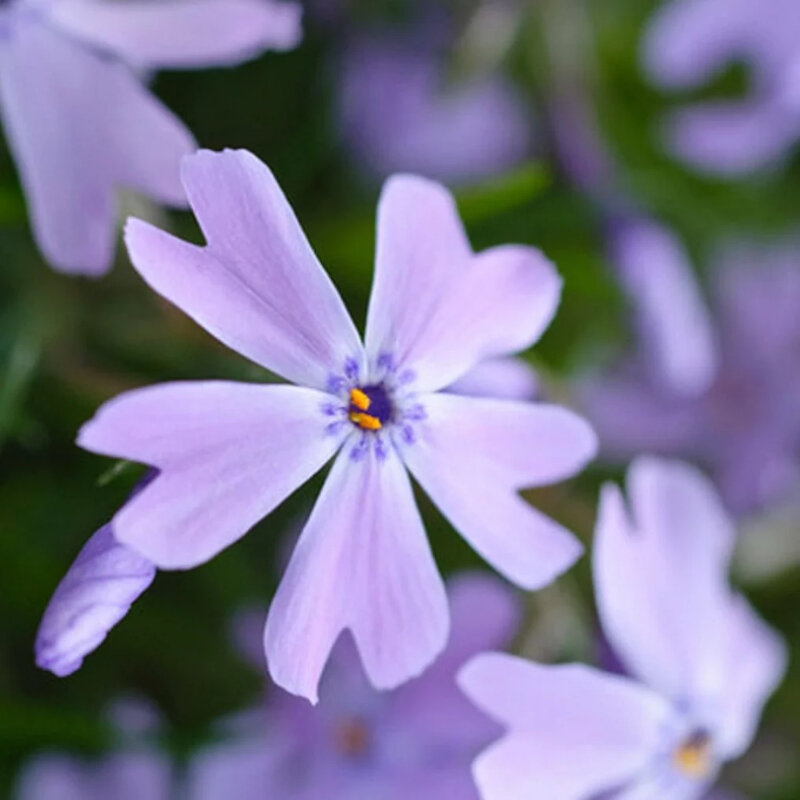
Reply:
x=352, y=738
x=370, y=407
x=694, y=758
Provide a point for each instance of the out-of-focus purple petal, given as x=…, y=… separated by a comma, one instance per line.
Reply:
x=79, y=126
x=248, y=769
x=672, y=316
x=558, y=719
x=176, y=34
x=473, y=478
x=126, y=776
x=689, y=40
x=731, y=138
x=760, y=659
x=227, y=453
x=363, y=563
x=485, y=615
x=257, y=286
x=661, y=578
x=399, y=114
x=632, y=417
x=95, y=594
x=503, y=378
x=758, y=291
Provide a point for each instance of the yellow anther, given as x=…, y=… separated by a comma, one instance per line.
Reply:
x=360, y=400
x=365, y=421
x=693, y=758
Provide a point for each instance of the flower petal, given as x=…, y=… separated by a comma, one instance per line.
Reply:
x=661, y=580
x=422, y=249
x=502, y=378
x=471, y=455
x=363, y=563
x=760, y=657
x=689, y=40
x=79, y=126
x=574, y=732
x=731, y=138
x=181, y=33
x=436, y=307
x=95, y=594
x=516, y=444
x=399, y=113
x=632, y=416
x=673, y=319
x=228, y=454
x=257, y=286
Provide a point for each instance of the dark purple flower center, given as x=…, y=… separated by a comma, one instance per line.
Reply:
x=370, y=407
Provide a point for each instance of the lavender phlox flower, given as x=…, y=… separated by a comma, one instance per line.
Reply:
x=229, y=453
x=399, y=113
x=95, y=594
x=417, y=741
x=745, y=426
x=691, y=40
x=81, y=124
x=700, y=663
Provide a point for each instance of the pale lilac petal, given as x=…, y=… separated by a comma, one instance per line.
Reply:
x=97, y=592
x=80, y=126
x=672, y=315
x=573, y=732
x=661, y=577
x=515, y=444
x=257, y=286
x=227, y=453
x=363, y=563
x=689, y=40
x=760, y=659
x=422, y=250
x=155, y=34
x=471, y=455
x=731, y=138
x=438, y=309
x=503, y=378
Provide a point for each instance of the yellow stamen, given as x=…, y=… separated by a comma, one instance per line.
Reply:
x=693, y=758
x=365, y=421
x=360, y=400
